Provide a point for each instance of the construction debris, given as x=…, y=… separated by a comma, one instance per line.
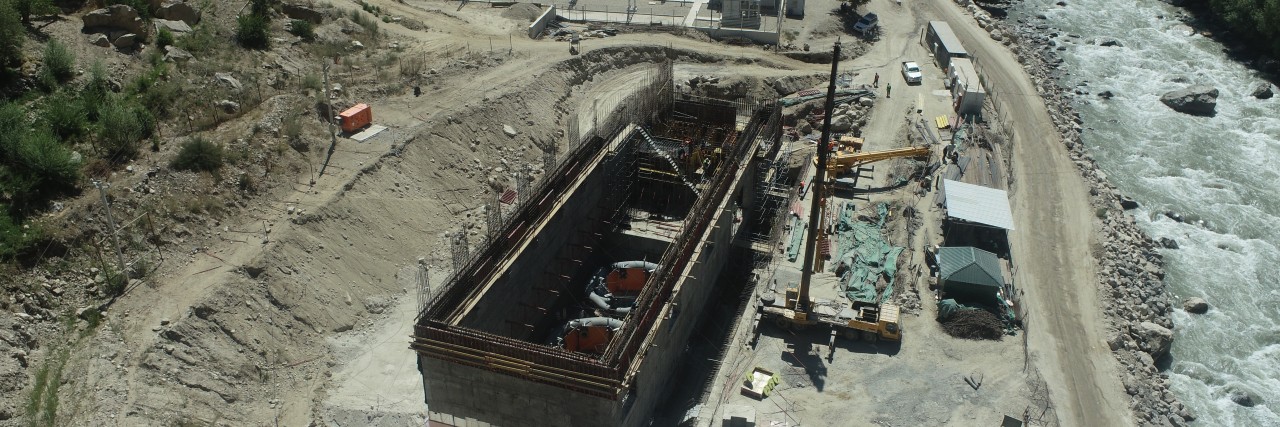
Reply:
x=974, y=324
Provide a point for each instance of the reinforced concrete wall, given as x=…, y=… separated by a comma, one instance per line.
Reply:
x=492, y=398
x=539, y=25
x=528, y=273
x=665, y=352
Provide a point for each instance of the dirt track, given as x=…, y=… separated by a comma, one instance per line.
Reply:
x=1052, y=243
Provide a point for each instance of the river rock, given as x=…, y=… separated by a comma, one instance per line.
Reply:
x=1262, y=90
x=178, y=11
x=1154, y=339
x=1109, y=42
x=1106, y=94
x=1127, y=203
x=1195, y=305
x=1244, y=398
x=117, y=16
x=1199, y=100
x=1168, y=243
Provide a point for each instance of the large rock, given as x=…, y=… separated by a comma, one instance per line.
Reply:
x=1109, y=42
x=791, y=84
x=228, y=80
x=99, y=40
x=303, y=13
x=1244, y=398
x=176, y=54
x=841, y=123
x=1262, y=90
x=116, y=16
x=1154, y=339
x=1195, y=305
x=173, y=26
x=178, y=11
x=1200, y=100
x=126, y=41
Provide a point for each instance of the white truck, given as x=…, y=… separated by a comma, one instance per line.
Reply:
x=911, y=72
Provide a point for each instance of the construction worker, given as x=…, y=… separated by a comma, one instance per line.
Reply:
x=888, y=88
x=876, y=82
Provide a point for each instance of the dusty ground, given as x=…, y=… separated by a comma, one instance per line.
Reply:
x=296, y=309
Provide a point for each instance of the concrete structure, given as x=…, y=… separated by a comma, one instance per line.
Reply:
x=942, y=43
x=663, y=190
x=740, y=14
x=967, y=93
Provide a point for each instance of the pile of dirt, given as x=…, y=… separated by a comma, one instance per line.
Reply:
x=974, y=325
x=524, y=12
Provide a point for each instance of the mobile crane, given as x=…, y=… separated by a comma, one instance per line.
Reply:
x=797, y=310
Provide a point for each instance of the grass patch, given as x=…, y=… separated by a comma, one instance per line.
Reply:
x=42, y=403
x=59, y=62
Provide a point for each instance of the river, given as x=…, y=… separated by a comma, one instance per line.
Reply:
x=1221, y=169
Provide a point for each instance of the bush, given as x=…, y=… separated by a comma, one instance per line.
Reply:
x=12, y=35
x=37, y=168
x=14, y=238
x=161, y=97
x=252, y=32
x=201, y=40
x=95, y=91
x=58, y=61
x=64, y=116
x=302, y=29
x=198, y=154
x=124, y=125
x=261, y=8
x=164, y=37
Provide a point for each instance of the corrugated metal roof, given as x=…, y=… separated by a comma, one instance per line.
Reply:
x=979, y=204
x=970, y=265
x=948, y=38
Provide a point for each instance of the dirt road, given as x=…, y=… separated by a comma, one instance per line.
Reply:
x=1051, y=245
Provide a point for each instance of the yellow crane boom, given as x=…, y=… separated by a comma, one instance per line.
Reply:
x=847, y=159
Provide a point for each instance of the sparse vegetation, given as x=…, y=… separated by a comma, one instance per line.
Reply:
x=42, y=403
x=124, y=125
x=65, y=116
x=198, y=154
x=27, y=8
x=12, y=35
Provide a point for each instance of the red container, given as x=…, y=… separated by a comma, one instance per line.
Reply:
x=356, y=117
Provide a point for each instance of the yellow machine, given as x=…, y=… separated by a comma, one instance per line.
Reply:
x=797, y=310
x=844, y=160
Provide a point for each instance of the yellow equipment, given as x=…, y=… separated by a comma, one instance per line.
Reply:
x=844, y=160
x=797, y=310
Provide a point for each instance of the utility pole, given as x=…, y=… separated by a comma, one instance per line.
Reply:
x=817, y=192
x=333, y=142
x=111, y=222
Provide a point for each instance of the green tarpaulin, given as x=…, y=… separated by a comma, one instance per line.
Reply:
x=865, y=255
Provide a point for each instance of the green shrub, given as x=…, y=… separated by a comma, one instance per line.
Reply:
x=94, y=93
x=198, y=154
x=252, y=32
x=302, y=29
x=36, y=168
x=261, y=8
x=123, y=126
x=161, y=97
x=14, y=238
x=200, y=40
x=58, y=61
x=64, y=116
x=12, y=35
x=164, y=37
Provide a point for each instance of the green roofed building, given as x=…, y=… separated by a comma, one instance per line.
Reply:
x=969, y=273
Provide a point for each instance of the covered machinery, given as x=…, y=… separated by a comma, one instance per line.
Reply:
x=613, y=289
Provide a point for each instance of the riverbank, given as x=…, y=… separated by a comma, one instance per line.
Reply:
x=1133, y=295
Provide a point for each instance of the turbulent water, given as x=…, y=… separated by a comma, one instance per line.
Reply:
x=1222, y=170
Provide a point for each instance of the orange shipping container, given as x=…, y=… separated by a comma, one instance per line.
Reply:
x=356, y=117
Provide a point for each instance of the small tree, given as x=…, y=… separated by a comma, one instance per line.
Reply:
x=64, y=116
x=26, y=8
x=261, y=8
x=251, y=31
x=198, y=154
x=58, y=61
x=302, y=29
x=12, y=35
x=164, y=37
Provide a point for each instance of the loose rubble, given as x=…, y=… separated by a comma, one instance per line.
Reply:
x=1131, y=268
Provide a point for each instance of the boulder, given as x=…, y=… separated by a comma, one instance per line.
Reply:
x=99, y=40
x=178, y=11
x=1109, y=42
x=1106, y=94
x=1154, y=339
x=176, y=54
x=841, y=123
x=1195, y=305
x=791, y=84
x=116, y=16
x=125, y=41
x=804, y=127
x=510, y=131
x=1127, y=203
x=1262, y=90
x=1168, y=243
x=227, y=79
x=303, y=13
x=1199, y=100
x=1244, y=398
x=228, y=106
x=173, y=26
